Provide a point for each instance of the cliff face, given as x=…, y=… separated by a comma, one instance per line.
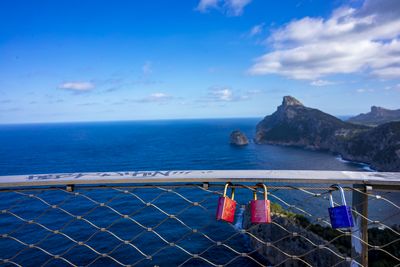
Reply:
x=380, y=147
x=376, y=116
x=294, y=124
x=277, y=234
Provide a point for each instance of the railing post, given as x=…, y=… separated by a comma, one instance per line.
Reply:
x=70, y=187
x=359, y=249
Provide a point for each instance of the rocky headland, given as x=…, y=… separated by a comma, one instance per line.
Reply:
x=379, y=147
x=294, y=124
x=376, y=116
x=238, y=138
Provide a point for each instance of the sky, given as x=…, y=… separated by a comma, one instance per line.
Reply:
x=97, y=60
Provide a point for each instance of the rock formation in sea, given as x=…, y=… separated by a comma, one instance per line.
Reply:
x=376, y=116
x=238, y=138
x=294, y=124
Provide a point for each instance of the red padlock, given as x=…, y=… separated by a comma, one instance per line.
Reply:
x=226, y=206
x=260, y=209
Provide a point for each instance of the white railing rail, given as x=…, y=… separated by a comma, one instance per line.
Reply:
x=239, y=176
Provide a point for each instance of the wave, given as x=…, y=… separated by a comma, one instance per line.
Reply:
x=363, y=166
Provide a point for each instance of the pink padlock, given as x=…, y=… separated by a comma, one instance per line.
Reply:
x=226, y=206
x=260, y=209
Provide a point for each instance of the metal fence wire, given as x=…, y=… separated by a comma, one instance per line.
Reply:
x=174, y=225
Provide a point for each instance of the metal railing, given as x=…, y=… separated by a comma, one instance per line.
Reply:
x=167, y=218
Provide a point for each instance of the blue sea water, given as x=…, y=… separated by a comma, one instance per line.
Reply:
x=147, y=145
x=128, y=146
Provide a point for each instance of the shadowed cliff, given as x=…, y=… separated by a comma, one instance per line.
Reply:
x=294, y=124
x=376, y=116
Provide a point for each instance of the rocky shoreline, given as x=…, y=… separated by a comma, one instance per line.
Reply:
x=271, y=240
x=294, y=124
x=293, y=233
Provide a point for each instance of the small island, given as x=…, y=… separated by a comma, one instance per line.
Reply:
x=238, y=138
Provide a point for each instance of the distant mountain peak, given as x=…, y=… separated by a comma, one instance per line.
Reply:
x=295, y=124
x=376, y=116
x=377, y=110
x=290, y=101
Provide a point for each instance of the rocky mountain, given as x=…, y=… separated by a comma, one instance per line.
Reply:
x=376, y=116
x=297, y=125
x=238, y=138
x=379, y=147
x=294, y=124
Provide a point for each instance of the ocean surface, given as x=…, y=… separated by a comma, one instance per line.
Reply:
x=148, y=145
x=130, y=146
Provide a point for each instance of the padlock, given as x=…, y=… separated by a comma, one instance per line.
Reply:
x=260, y=209
x=226, y=206
x=340, y=215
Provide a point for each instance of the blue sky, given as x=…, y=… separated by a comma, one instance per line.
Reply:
x=137, y=60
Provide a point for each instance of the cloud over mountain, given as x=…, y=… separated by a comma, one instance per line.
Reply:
x=350, y=40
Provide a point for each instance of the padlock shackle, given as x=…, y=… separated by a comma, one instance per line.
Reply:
x=341, y=194
x=232, y=190
x=265, y=191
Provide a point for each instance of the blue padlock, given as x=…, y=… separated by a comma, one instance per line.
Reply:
x=340, y=215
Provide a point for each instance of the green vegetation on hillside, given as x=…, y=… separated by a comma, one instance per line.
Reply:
x=376, y=237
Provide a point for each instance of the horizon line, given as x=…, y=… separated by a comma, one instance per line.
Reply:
x=141, y=120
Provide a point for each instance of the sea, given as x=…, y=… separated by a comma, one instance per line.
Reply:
x=149, y=145
x=201, y=144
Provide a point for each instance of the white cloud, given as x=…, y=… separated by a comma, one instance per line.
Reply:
x=222, y=94
x=348, y=41
x=226, y=94
x=388, y=73
x=256, y=30
x=230, y=7
x=205, y=5
x=254, y=92
x=147, y=68
x=321, y=83
x=235, y=7
x=363, y=90
x=395, y=87
x=157, y=97
x=77, y=86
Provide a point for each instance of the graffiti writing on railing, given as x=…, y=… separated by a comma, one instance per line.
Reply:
x=139, y=174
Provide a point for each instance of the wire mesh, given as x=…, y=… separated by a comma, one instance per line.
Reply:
x=174, y=225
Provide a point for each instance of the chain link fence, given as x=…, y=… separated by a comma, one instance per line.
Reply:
x=174, y=225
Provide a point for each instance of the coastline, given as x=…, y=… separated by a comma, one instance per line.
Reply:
x=365, y=166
